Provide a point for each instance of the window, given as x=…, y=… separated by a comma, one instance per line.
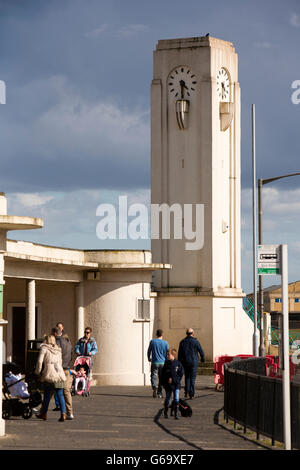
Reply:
x=297, y=300
x=143, y=309
x=278, y=300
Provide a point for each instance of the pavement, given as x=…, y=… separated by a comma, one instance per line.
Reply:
x=129, y=418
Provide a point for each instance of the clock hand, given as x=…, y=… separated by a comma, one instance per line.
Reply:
x=182, y=86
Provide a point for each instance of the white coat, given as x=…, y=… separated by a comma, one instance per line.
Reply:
x=50, y=357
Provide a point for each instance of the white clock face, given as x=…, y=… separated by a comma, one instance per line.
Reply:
x=223, y=85
x=182, y=83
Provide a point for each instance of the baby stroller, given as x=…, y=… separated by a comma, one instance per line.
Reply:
x=81, y=385
x=12, y=404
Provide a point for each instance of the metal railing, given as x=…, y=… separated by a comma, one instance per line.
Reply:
x=255, y=402
x=249, y=309
x=273, y=332
x=294, y=338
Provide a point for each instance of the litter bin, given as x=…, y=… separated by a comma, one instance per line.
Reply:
x=33, y=349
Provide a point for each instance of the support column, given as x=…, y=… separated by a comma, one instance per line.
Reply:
x=18, y=223
x=30, y=310
x=79, y=310
x=2, y=323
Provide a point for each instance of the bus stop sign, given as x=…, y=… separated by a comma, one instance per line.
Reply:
x=269, y=261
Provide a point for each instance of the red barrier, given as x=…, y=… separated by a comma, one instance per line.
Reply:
x=293, y=368
x=271, y=367
x=219, y=369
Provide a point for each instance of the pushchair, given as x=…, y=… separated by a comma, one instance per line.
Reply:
x=13, y=405
x=81, y=385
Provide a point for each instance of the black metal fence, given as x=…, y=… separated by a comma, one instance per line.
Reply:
x=255, y=402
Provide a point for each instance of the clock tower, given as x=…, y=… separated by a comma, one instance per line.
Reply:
x=195, y=162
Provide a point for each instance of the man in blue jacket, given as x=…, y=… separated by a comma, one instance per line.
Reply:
x=86, y=346
x=189, y=350
x=157, y=352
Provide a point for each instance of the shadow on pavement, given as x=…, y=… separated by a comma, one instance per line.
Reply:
x=245, y=438
x=170, y=433
x=119, y=395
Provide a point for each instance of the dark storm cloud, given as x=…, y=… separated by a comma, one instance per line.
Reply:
x=59, y=57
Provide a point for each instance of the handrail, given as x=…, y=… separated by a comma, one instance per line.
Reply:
x=249, y=309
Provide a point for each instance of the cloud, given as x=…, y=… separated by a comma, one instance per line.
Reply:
x=131, y=30
x=70, y=218
x=97, y=32
x=282, y=202
x=72, y=142
x=280, y=224
x=296, y=246
x=32, y=199
x=125, y=31
x=295, y=20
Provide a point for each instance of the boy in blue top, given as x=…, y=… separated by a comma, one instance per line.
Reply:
x=157, y=352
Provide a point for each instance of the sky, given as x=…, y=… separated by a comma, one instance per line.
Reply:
x=75, y=129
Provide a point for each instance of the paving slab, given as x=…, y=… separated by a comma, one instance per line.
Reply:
x=128, y=418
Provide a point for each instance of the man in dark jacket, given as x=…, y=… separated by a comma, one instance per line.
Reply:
x=66, y=352
x=172, y=373
x=189, y=350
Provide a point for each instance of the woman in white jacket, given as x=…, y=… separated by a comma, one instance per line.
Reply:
x=52, y=376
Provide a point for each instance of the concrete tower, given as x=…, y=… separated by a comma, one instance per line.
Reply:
x=195, y=160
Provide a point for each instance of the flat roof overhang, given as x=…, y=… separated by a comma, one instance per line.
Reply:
x=14, y=222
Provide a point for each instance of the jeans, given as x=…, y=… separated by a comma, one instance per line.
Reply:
x=190, y=373
x=48, y=392
x=67, y=393
x=156, y=370
x=169, y=394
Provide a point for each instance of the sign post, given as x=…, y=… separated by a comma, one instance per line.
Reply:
x=285, y=349
x=273, y=259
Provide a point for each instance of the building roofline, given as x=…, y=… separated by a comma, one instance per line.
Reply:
x=77, y=249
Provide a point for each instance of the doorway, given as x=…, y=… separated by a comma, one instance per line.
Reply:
x=16, y=347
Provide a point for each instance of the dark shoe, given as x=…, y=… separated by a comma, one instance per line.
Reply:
x=154, y=393
x=176, y=412
x=57, y=408
x=191, y=397
x=42, y=415
x=166, y=411
x=160, y=395
x=62, y=417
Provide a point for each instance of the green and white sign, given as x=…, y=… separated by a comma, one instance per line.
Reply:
x=269, y=259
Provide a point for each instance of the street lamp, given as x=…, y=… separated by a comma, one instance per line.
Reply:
x=261, y=182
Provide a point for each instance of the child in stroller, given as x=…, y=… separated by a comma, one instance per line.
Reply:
x=17, y=386
x=82, y=372
x=15, y=394
x=80, y=379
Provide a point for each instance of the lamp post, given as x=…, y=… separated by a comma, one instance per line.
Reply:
x=261, y=182
x=255, y=332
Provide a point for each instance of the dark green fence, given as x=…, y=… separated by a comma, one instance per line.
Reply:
x=255, y=402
